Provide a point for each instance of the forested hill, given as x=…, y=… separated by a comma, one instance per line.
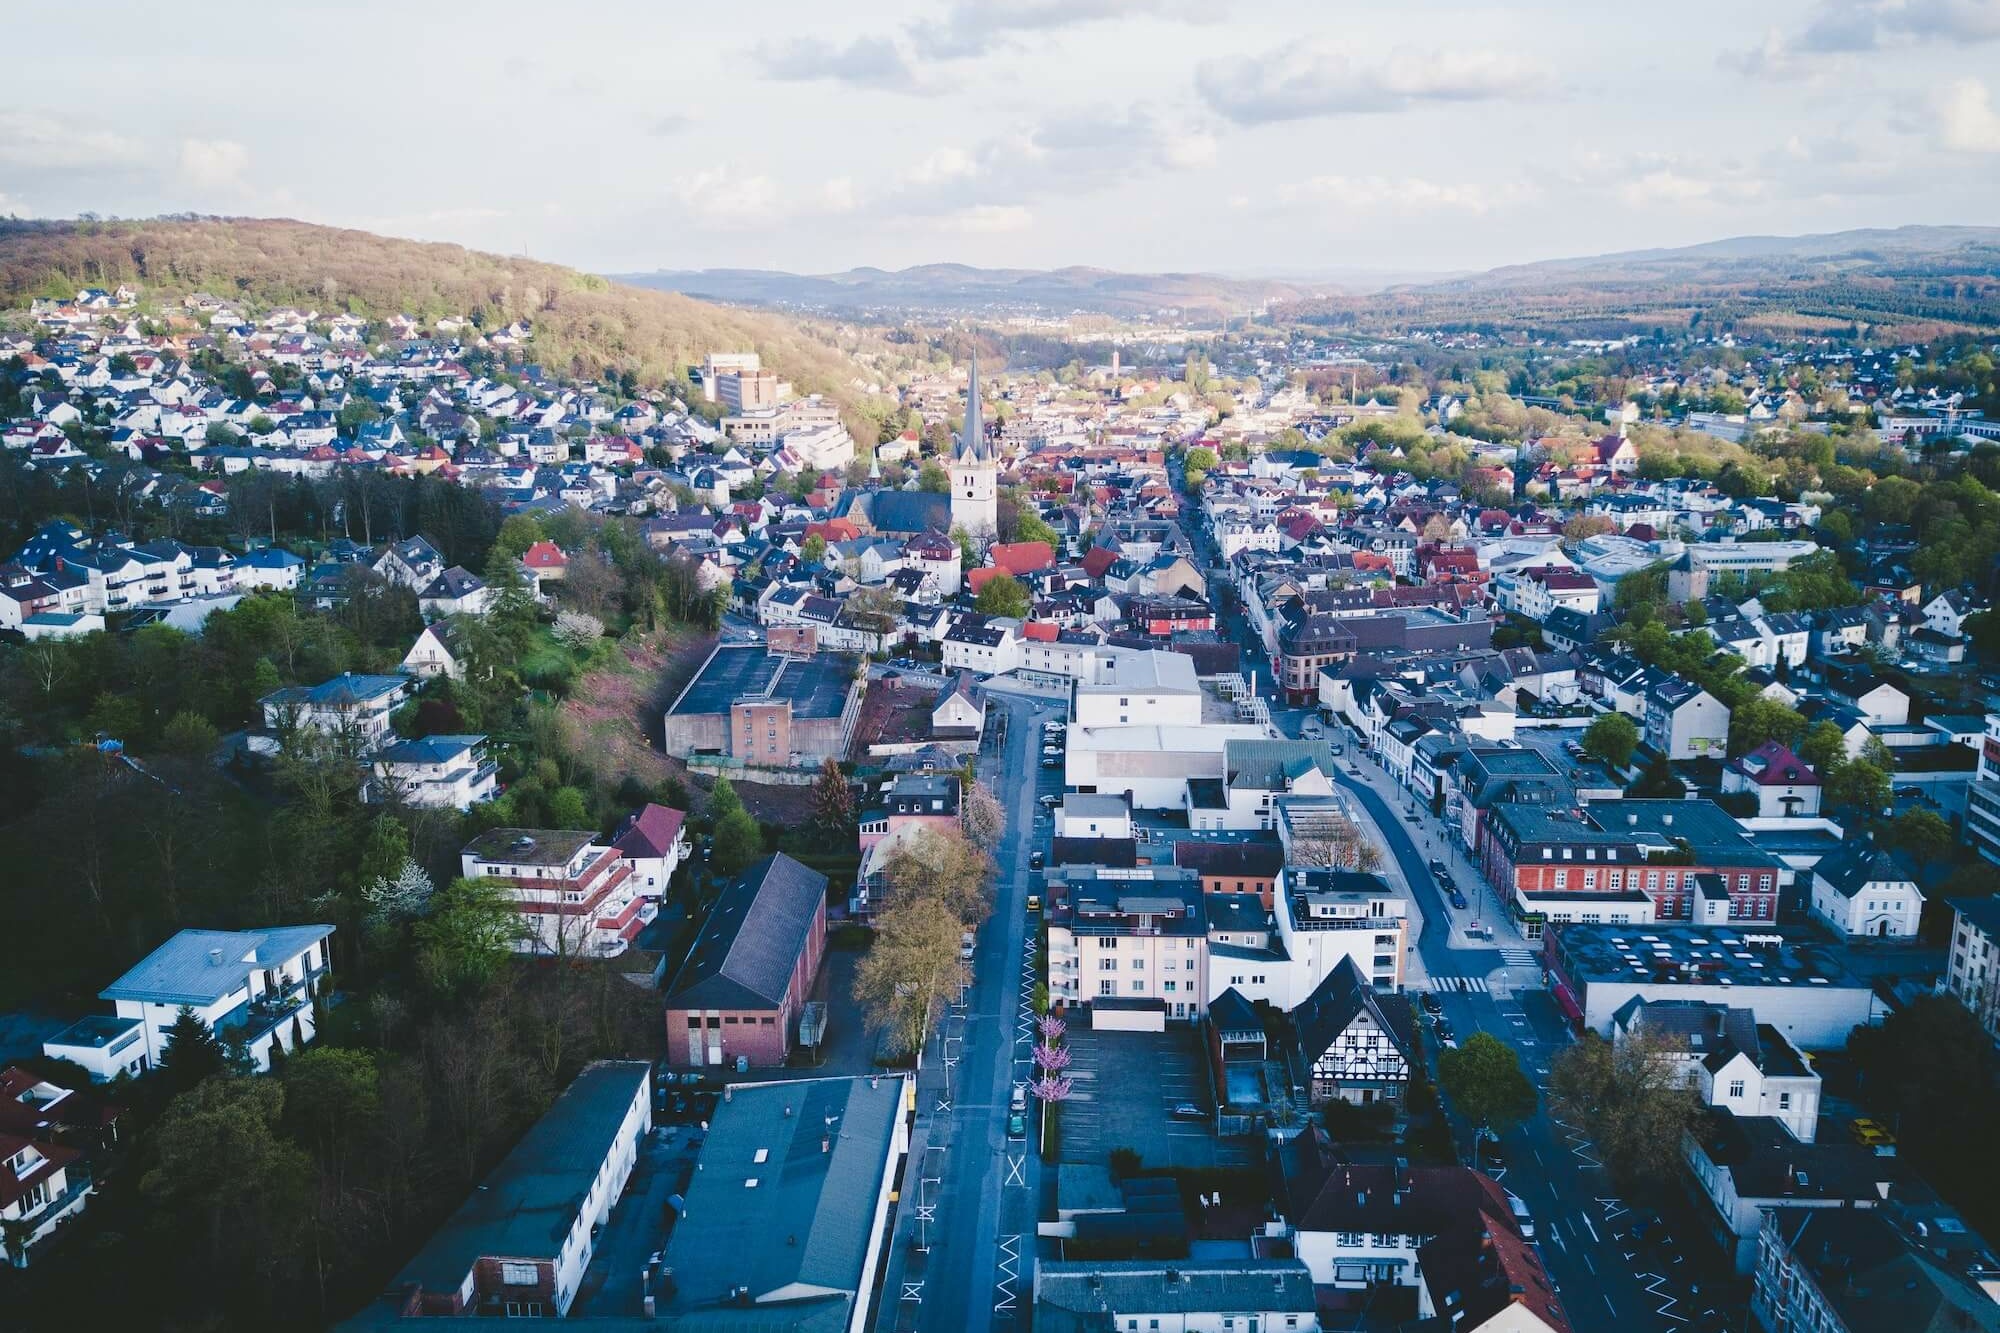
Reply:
x=582, y=323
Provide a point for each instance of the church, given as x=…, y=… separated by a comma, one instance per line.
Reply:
x=973, y=501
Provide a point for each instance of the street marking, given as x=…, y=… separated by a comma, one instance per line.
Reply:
x=1593, y=1230
x=1009, y=1269
x=1657, y=1287
x=1014, y=1174
x=914, y=1291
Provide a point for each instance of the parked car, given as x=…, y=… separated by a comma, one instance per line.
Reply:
x=1432, y=1005
x=1034, y=860
x=1442, y=871
x=1458, y=900
x=1017, y=1126
x=1445, y=1034
x=1034, y=902
x=1052, y=749
x=1188, y=1111
x=1051, y=763
x=965, y=945
x=1870, y=1133
x=1050, y=801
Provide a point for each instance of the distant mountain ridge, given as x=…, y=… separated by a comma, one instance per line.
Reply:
x=963, y=287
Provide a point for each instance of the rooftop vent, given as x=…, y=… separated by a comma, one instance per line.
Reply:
x=215, y=958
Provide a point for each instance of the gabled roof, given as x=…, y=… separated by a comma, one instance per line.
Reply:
x=1342, y=996
x=1856, y=866
x=752, y=940
x=650, y=833
x=1773, y=764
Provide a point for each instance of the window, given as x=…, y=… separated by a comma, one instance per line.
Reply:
x=1784, y=1101
x=1107, y=988
x=519, y=1275
x=1107, y=964
x=1562, y=879
x=1138, y=965
x=1138, y=987
x=1736, y=1087
x=1171, y=987
x=1351, y=1240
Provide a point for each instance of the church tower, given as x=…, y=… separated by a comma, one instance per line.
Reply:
x=975, y=470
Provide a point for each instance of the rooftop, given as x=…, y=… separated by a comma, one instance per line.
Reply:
x=1697, y=955
x=199, y=967
x=528, y=846
x=816, y=687
x=785, y=1191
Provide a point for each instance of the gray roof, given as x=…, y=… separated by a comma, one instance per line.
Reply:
x=1341, y=996
x=186, y=970
x=1857, y=865
x=1270, y=765
x=752, y=940
x=529, y=1202
x=810, y=1215
x=1082, y=1294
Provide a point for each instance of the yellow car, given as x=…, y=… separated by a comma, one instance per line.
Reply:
x=1034, y=902
x=1870, y=1134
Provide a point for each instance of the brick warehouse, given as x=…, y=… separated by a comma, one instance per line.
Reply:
x=745, y=982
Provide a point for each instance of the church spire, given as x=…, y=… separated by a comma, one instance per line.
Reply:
x=972, y=440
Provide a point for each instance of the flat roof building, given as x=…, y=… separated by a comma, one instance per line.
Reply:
x=767, y=709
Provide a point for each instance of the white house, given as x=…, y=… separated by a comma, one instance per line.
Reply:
x=42, y=1185
x=436, y=652
x=653, y=842
x=1684, y=721
x=1863, y=891
x=575, y=897
x=1082, y=816
x=355, y=709
x=250, y=987
x=985, y=644
x=1730, y=1059
x=454, y=592
x=270, y=568
x=1184, y=1295
x=1784, y=784
x=436, y=772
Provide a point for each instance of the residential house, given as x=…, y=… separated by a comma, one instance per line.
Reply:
x=960, y=711
x=574, y=897
x=1357, y=1042
x=438, y=651
x=1139, y=935
x=435, y=772
x=353, y=710
x=740, y=994
x=653, y=840
x=1853, y=1270
x=252, y=988
x=453, y=592
x=1864, y=892
x=1228, y=869
x=268, y=568
x=43, y=1185
x=1684, y=721
x=413, y=563
x=1731, y=1060
x=1784, y=785
x=1972, y=974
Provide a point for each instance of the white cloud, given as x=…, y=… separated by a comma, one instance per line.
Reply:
x=1403, y=194
x=32, y=141
x=1301, y=81
x=974, y=27
x=866, y=62
x=213, y=164
x=719, y=198
x=1666, y=186
x=1966, y=117
x=1871, y=25
x=839, y=196
x=988, y=219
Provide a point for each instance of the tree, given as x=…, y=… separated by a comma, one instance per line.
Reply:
x=403, y=897
x=225, y=1182
x=1586, y=525
x=812, y=550
x=1334, y=840
x=738, y=842
x=1823, y=748
x=911, y=972
x=578, y=631
x=943, y=867
x=1003, y=596
x=569, y=808
x=191, y=1052
x=833, y=802
x=1634, y=1100
x=510, y=610
x=468, y=936
x=190, y=736
x=1922, y=834
x=1931, y=1069
x=1200, y=461
x=1484, y=1080
x=1860, y=785
x=1612, y=738
x=517, y=533
x=1757, y=720
x=983, y=818
x=933, y=478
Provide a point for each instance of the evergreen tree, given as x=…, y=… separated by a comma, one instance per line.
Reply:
x=191, y=1053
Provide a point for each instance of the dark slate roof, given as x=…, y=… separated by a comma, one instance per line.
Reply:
x=1258, y=859
x=1339, y=998
x=651, y=832
x=1857, y=865
x=1874, y=1280
x=1074, y=1296
x=909, y=511
x=1115, y=853
x=1230, y=1012
x=752, y=939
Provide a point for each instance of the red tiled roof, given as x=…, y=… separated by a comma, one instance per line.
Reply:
x=1022, y=557
x=544, y=555
x=650, y=833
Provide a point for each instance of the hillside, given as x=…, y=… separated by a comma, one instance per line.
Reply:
x=960, y=288
x=582, y=323
x=1909, y=282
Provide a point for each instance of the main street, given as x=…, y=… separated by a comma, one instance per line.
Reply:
x=1606, y=1279
x=974, y=1192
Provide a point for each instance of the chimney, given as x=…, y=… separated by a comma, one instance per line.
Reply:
x=215, y=958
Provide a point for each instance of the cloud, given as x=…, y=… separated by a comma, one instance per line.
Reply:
x=1665, y=186
x=32, y=141
x=720, y=198
x=1966, y=117
x=1403, y=194
x=213, y=164
x=671, y=123
x=988, y=219
x=1846, y=26
x=880, y=63
x=974, y=27
x=1302, y=82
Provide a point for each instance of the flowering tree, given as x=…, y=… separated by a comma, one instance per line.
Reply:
x=1052, y=1058
x=1052, y=1027
x=578, y=630
x=1052, y=1088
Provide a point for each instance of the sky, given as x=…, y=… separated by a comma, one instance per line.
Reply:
x=1144, y=135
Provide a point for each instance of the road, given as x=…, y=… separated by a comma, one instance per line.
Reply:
x=1606, y=1279
x=978, y=1275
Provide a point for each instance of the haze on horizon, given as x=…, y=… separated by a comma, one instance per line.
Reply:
x=1129, y=134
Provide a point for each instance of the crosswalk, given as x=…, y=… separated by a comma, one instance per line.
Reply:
x=1452, y=984
x=1520, y=956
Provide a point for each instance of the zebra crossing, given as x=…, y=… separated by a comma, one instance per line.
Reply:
x=1452, y=984
x=1519, y=955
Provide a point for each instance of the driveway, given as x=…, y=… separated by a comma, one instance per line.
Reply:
x=1126, y=1087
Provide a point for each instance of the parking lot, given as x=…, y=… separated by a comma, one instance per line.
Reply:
x=1126, y=1087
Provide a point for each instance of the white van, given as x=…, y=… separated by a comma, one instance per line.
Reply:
x=965, y=946
x=1019, y=1101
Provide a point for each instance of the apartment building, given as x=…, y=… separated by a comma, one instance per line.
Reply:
x=251, y=987
x=575, y=897
x=436, y=772
x=1128, y=934
x=354, y=710
x=1972, y=975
